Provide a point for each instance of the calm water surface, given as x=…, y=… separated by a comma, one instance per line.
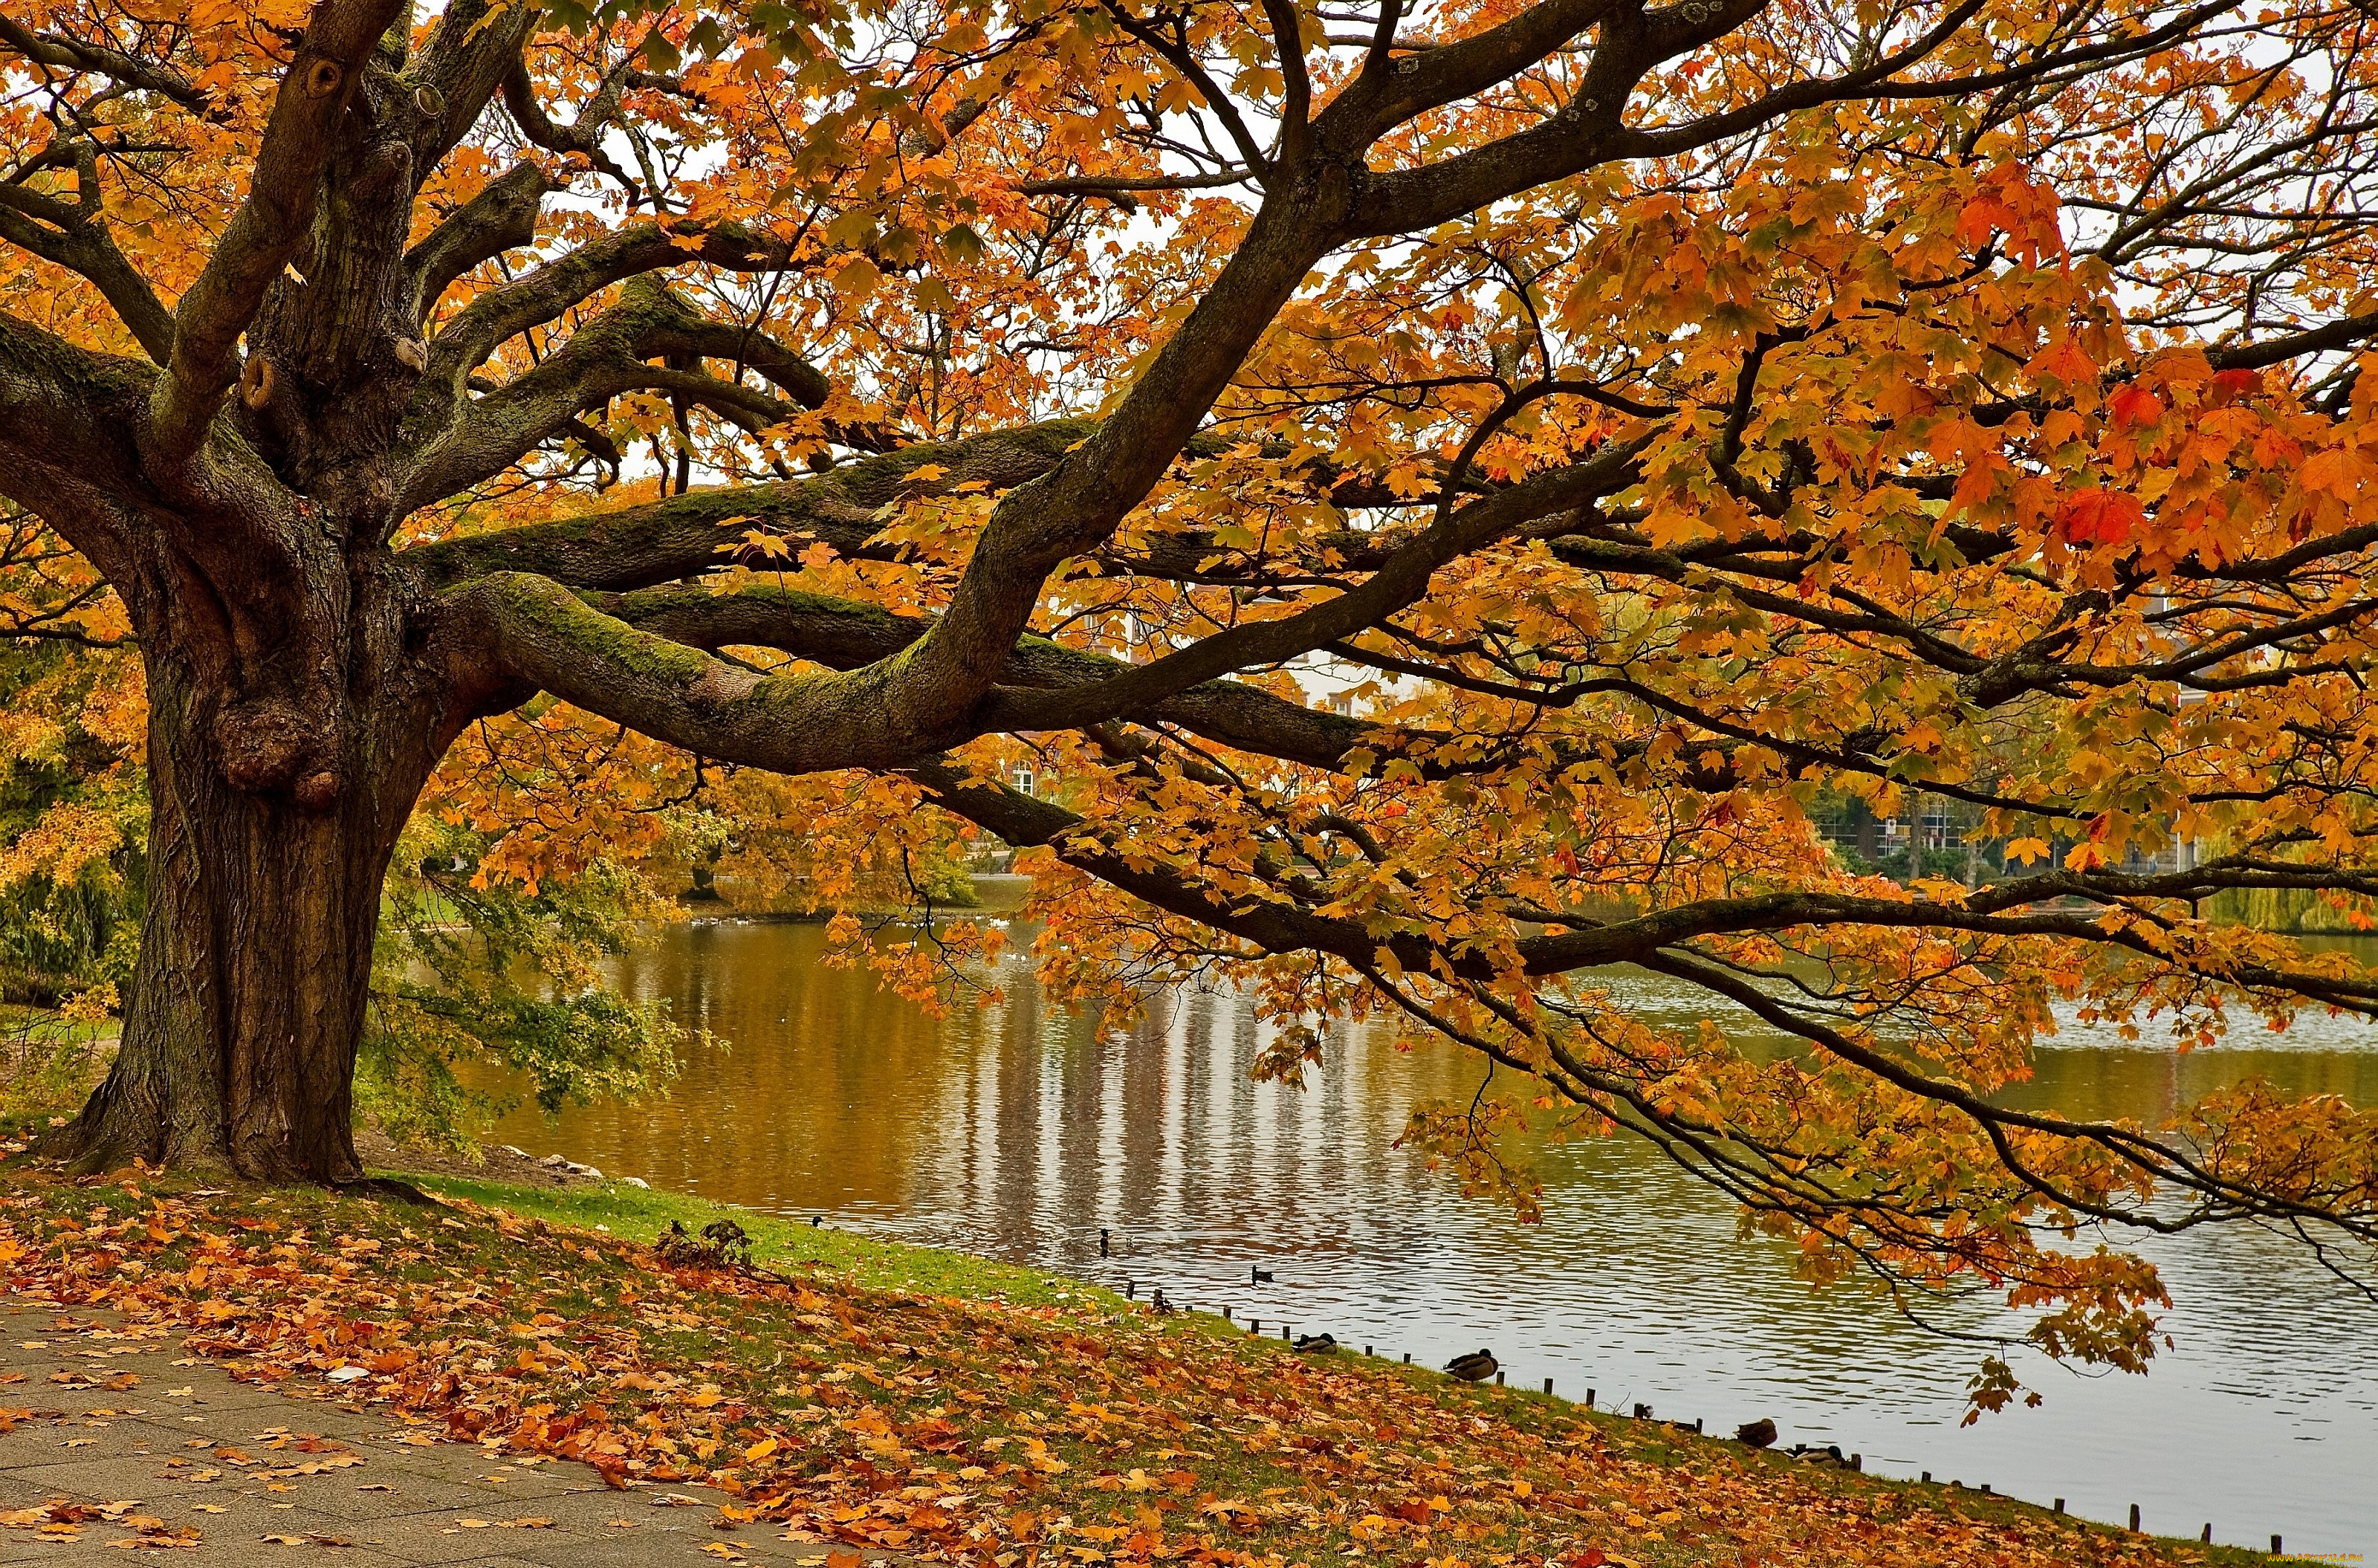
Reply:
x=1016, y=1131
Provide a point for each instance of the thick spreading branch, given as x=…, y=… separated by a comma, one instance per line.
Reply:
x=604, y=358
x=694, y=533
x=68, y=53
x=842, y=634
x=469, y=56
x=66, y=416
x=267, y=227
x=75, y=236
x=502, y=218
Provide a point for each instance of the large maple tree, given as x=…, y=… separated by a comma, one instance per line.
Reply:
x=1448, y=491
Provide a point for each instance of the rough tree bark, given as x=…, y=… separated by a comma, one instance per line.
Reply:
x=246, y=1004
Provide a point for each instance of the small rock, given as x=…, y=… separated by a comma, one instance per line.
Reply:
x=635, y=1182
x=348, y=1374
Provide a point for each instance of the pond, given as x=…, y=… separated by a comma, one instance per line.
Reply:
x=1016, y=1131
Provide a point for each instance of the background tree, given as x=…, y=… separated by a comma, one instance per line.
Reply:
x=1643, y=418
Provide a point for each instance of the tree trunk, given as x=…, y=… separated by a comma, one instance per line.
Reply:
x=298, y=689
x=272, y=826
x=247, y=1003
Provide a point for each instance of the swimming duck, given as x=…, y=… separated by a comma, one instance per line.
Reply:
x=1476, y=1367
x=1258, y=1276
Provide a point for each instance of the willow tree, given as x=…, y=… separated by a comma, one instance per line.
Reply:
x=1448, y=492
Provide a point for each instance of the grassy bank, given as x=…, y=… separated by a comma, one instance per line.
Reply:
x=642, y=1213
x=947, y=1406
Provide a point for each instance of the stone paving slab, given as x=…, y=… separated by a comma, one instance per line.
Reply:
x=114, y=1437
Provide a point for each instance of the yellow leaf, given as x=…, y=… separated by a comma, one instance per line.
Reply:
x=856, y=280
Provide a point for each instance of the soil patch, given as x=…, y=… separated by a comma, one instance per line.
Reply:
x=495, y=1162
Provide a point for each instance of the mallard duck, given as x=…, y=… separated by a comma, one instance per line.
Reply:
x=1476, y=1367
x=1317, y=1343
x=1758, y=1433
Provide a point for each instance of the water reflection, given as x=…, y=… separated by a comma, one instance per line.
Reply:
x=1015, y=1131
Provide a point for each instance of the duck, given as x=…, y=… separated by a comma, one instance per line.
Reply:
x=1829, y=1455
x=1476, y=1367
x=1102, y=1242
x=1258, y=1276
x=1756, y=1434
x=1317, y=1343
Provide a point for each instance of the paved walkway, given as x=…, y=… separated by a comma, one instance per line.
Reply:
x=111, y=1444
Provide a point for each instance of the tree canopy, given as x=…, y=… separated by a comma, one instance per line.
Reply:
x=1453, y=495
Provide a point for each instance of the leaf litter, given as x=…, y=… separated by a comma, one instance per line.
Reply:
x=984, y=1431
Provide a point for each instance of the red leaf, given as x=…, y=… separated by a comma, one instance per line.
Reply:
x=2100, y=517
x=2064, y=360
x=2005, y=200
x=2132, y=406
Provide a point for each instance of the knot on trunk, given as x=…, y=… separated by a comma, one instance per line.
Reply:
x=270, y=744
